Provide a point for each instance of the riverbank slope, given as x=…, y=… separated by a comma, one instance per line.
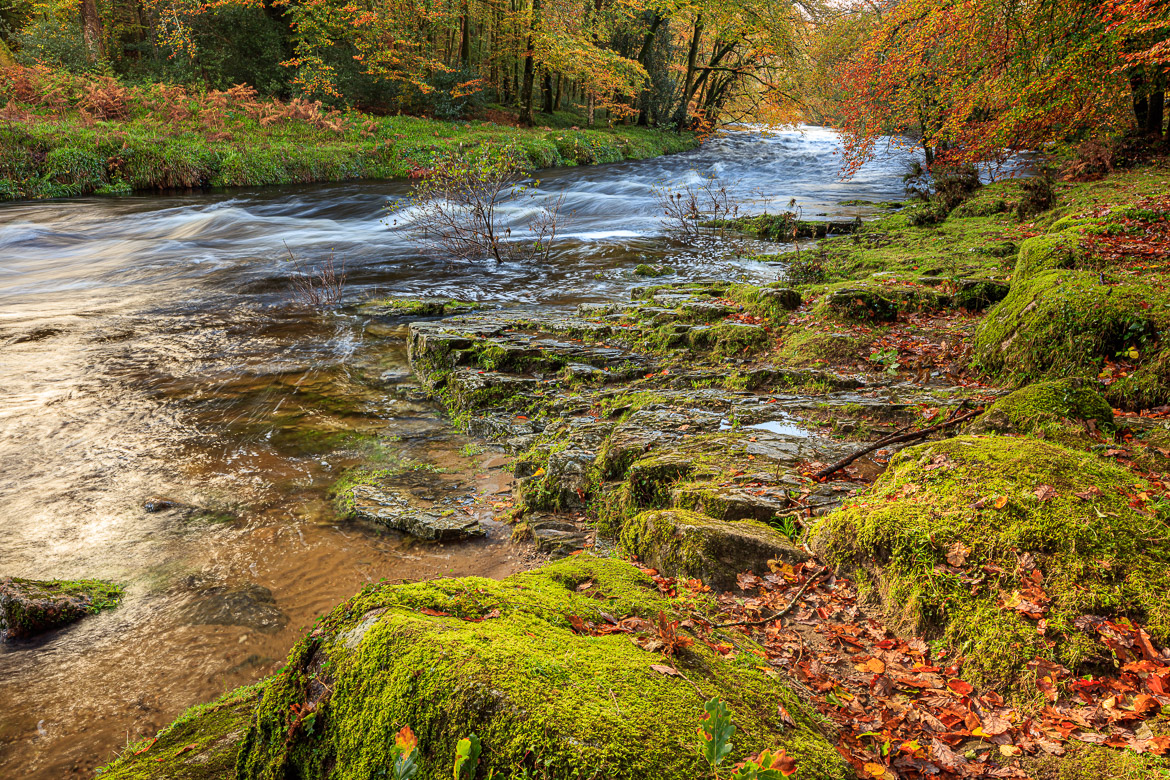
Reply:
x=67, y=136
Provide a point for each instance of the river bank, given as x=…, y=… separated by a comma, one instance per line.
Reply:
x=67, y=136
x=994, y=603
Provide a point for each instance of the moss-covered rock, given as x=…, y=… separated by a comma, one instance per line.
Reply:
x=1042, y=405
x=978, y=294
x=1003, y=507
x=415, y=307
x=860, y=305
x=652, y=271
x=203, y=744
x=32, y=607
x=1065, y=323
x=728, y=338
x=686, y=544
x=1146, y=386
x=813, y=348
x=1047, y=253
x=513, y=662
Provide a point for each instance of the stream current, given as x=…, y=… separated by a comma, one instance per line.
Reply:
x=149, y=349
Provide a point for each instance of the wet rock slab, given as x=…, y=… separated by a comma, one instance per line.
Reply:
x=398, y=510
x=29, y=608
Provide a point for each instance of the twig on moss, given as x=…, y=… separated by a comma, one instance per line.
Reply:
x=893, y=439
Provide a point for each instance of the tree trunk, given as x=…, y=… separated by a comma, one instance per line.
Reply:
x=1157, y=106
x=547, y=104
x=643, y=60
x=1141, y=104
x=465, y=38
x=91, y=31
x=529, y=86
x=557, y=99
x=680, y=115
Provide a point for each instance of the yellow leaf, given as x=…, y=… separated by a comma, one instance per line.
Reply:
x=875, y=770
x=539, y=472
x=1001, y=502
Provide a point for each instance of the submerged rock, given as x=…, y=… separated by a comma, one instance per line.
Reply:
x=32, y=607
x=250, y=605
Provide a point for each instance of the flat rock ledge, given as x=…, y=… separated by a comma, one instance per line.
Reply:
x=397, y=510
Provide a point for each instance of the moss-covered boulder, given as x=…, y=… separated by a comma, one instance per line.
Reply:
x=978, y=294
x=681, y=543
x=1146, y=386
x=728, y=338
x=1065, y=323
x=815, y=348
x=1046, y=405
x=1047, y=253
x=652, y=271
x=859, y=304
x=202, y=744
x=32, y=607
x=533, y=666
x=950, y=537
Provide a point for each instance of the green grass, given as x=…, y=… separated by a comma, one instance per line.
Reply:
x=64, y=154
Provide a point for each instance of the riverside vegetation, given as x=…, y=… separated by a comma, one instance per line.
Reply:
x=992, y=604
x=901, y=513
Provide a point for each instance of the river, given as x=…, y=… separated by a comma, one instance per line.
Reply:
x=150, y=348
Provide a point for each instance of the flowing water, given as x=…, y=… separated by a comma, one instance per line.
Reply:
x=149, y=350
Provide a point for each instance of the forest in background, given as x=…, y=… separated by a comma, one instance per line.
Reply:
x=968, y=82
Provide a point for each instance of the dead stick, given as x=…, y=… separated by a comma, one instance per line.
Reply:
x=911, y=436
x=781, y=613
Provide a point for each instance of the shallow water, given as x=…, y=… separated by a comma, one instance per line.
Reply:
x=148, y=348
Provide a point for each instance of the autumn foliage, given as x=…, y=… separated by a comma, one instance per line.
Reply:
x=981, y=80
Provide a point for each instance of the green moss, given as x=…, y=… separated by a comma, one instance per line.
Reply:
x=812, y=348
x=1097, y=554
x=1096, y=762
x=202, y=744
x=1064, y=323
x=681, y=543
x=1038, y=406
x=1047, y=253
x=540, y=696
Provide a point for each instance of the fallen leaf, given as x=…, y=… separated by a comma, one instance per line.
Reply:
x=958, y=553
x=1045, y=492
x=663, y=669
